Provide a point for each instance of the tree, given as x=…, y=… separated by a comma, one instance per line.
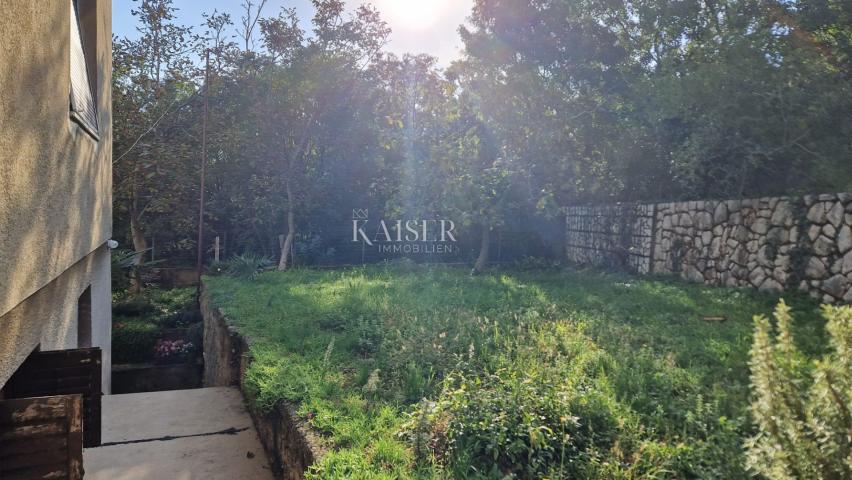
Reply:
x=309, y=87
x=152, y=81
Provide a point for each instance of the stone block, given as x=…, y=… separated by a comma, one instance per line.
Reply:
x=780, y=275
x=813, y=232
x=757, y=277
x=844, y=239
x=835, y=286
x=823, y=246
x=753, y=246
x=720, y=214
x=815, y=269
x=760, y=226
x=846, y=266
x=704, y=220
x=735, y=218
x=782, y=262
x=778, y=235
x=734, y=205
x=770, y=285
x=740, y=233
x=774, y=201
x=763, y=257
x=716, y=247
x=837, y=266
x=835, y=213
x=781, y=213
x=817, y=213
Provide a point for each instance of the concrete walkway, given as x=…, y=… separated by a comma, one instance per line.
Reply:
x=182, y=435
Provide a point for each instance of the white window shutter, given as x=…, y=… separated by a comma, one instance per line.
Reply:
x=82, y=100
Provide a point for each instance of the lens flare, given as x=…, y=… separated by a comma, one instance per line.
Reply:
x=412, y=14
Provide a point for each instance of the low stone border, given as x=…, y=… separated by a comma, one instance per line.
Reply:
x=146, y=377
x=289, y=442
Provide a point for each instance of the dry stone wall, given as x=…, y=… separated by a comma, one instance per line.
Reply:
x=771, y=244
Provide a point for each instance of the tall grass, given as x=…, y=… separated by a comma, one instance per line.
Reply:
x=426, y=372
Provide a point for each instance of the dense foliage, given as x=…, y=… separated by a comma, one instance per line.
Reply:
x=426, y=372
x=139, y=321
x=802, y=411
x=553, y=102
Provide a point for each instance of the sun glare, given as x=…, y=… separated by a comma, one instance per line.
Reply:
x=412, y=14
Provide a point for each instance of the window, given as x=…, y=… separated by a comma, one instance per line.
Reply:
x=83, y=108
x=84, y=319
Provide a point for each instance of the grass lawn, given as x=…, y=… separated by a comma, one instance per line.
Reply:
x=426, y=372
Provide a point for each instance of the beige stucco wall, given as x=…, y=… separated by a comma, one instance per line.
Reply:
x=55, y=181
x=48, y=319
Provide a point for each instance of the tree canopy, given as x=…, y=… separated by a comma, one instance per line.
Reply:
x=552, y=103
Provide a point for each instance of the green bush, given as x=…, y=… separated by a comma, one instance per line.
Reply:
x=133, y=306
x=802, y=410
x=246, y=266
x=139, y=321
x=523, y=422
x=133, y=340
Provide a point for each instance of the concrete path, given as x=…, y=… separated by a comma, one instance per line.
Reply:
x=182, y=435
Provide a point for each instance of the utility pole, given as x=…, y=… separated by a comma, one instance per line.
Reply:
x=199, y=266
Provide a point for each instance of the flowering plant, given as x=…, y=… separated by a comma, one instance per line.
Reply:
x=173, y=350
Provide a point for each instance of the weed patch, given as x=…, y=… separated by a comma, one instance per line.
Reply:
x=426, y=372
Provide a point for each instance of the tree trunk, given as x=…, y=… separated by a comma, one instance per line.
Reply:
x=291, y=231
x=139, y=245
x=484, y=251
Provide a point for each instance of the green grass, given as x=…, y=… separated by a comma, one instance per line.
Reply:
x=426, y=372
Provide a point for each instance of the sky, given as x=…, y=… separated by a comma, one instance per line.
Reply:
x=419, y=26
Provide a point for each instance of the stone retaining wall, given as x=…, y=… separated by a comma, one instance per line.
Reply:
x=774, y=244
x=290, y=444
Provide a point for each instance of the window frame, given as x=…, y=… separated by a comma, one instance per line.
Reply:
x=75, y=115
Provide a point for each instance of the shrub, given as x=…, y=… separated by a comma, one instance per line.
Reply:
x=139, y=321
x=133, y=340
x=247, y=266
x=369, y=331
x=133, y=306
x=513, y=423
x=802, y=411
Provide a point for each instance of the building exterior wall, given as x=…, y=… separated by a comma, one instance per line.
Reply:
x=55, y=180
x=781, y=243
x=48, y=319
